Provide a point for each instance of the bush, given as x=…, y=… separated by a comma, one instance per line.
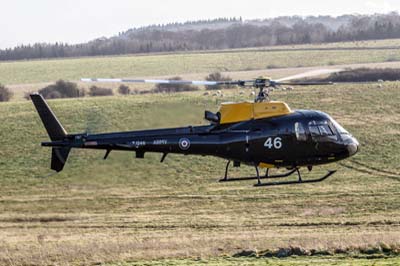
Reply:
x=62, y=89
x=97, y=91
x=27, y=95
x=137, y=91
x=168, y=88
x=217, y=76
x=145, y=92
x=5, y=94
x=124, y=90
x=272, y=66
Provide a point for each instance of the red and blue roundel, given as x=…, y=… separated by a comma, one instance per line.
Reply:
x=184, y=144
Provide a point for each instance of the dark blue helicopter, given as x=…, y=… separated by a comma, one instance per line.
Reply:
x=262, y=133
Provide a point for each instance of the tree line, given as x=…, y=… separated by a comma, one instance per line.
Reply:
x=221, y=34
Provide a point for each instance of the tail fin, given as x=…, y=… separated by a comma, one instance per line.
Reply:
x=58, y=158
x=50, y=121
x=54, y=129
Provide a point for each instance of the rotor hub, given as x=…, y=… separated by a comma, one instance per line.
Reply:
x=262, y=83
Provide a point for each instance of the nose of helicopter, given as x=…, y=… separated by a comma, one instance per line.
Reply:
x=352, y=146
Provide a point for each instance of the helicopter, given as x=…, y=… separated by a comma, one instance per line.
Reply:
x=260, y=133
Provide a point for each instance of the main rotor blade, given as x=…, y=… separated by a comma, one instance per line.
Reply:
x=312, y=73
x=163, y=81
x=356, y=82
x=305, y=83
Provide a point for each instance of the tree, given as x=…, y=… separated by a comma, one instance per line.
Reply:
x=221, y=33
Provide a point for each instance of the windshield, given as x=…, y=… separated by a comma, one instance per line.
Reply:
x=339, y=128
x=320, y=128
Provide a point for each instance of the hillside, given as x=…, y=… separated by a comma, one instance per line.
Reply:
x=274, y=61
x=125, y=209
x=221, y=34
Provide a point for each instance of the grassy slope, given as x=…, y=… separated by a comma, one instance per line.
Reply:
x=329, y=261
x=127, y=209
x=24, y=72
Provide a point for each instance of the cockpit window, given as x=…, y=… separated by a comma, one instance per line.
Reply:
x=300, y=132
x=320, y=129
x=339, y=128
x=314, y=130
x=325, y=130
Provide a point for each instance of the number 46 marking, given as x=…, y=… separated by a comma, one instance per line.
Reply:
x=275, y=143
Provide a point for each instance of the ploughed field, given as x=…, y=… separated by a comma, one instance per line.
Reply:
x=139, y=211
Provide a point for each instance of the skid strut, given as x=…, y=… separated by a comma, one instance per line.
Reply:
x=226, y=179
x=267, y=176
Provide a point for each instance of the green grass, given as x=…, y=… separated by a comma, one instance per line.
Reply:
x=28, y=72
x=329, y=261
x=125, y=209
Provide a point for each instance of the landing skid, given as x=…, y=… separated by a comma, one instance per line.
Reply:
x=299, y=181
x=267, y=176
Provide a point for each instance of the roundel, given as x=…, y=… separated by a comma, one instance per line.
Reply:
x=184, y=144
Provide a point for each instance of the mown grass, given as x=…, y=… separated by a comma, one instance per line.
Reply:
x=323, y=261
x=27, y=72
x=125, y=209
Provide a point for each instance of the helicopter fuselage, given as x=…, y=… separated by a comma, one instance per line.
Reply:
x=301, y=138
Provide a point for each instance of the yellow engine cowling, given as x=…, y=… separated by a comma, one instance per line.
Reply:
x=237, y=112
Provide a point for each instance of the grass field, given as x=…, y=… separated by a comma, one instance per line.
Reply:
x=39, y=71
x=125, y=211
x=327, y=261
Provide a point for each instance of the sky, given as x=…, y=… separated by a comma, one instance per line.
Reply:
x=75, y=21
